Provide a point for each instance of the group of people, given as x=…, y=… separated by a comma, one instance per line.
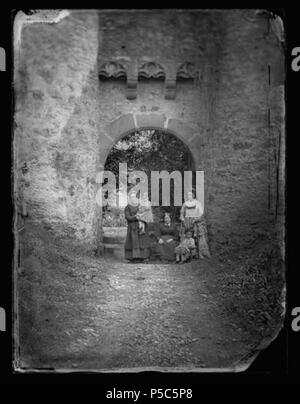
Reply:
x=167, y=241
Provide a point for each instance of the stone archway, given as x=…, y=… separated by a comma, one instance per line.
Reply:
x=134, y=122
x=129, y=123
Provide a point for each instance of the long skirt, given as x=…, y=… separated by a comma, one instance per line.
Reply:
x=137, y=246
x=137, y=253
x=165, y=251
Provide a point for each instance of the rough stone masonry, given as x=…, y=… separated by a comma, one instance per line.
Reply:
x=214, y=78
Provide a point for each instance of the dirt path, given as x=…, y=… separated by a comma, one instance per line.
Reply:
x=110, y=315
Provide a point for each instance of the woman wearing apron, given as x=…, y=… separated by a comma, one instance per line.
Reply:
x=192, y=219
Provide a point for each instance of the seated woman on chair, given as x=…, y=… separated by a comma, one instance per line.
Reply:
x=166, y=240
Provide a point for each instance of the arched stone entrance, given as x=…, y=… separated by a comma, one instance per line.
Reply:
x=129, y=123
x=134, y=122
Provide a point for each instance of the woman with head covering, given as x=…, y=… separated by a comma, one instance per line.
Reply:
x=192, y=218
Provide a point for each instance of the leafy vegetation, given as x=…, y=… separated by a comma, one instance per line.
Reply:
x=147, y=150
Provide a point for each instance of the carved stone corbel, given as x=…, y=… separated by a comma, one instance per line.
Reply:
x=151, y=70
x=187, y=71
x=112, y=69
x=132, y=81
x=170, y=84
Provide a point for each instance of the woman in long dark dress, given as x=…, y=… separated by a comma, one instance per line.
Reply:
x=167, y=237
x=137, y=246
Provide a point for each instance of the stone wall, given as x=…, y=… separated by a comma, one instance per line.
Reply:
x=230, y=103
x=233, y=103
x=56, y=123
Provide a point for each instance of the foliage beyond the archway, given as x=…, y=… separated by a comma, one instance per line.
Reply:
x=148, y=150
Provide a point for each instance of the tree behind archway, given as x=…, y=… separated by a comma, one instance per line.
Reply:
x=150, y=150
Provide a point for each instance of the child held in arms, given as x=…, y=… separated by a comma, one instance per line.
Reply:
x=144, y=214
x=185, y=249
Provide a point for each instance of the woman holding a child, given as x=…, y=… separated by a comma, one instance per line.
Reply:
x=167, y=246
x=138, y=215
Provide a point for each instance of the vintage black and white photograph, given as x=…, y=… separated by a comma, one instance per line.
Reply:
x=149, y=188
